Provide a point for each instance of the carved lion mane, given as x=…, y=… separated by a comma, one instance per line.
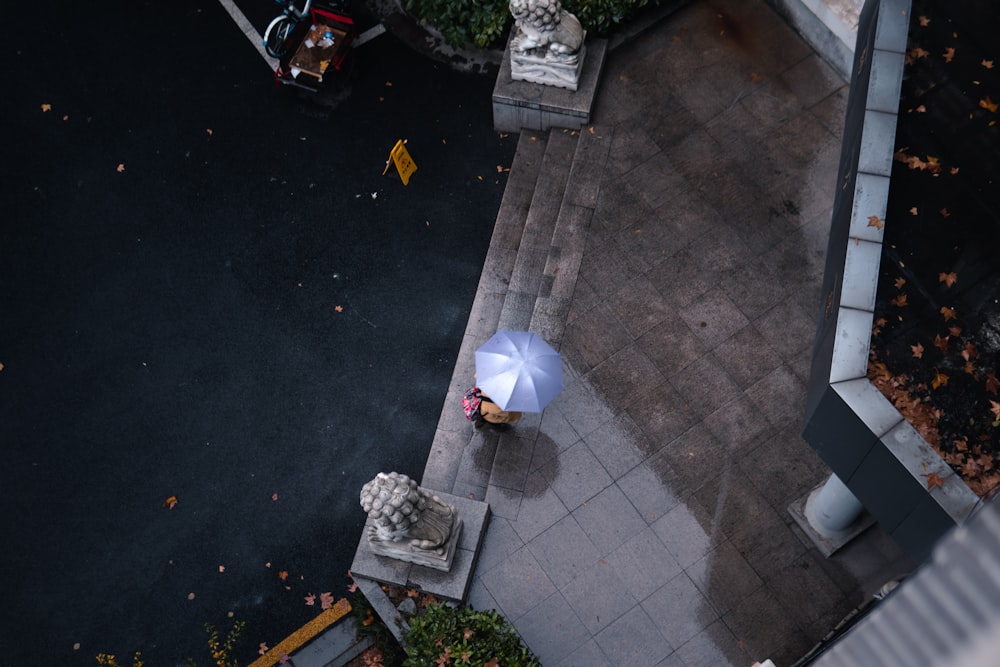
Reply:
x=544, y=23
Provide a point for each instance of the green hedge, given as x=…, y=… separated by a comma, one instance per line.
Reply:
x=463, y=637
x=485, y=22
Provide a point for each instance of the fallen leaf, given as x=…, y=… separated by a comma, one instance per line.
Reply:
x=66, y=117
x=339, y=309
x=120, y=168
x=924, y=21
x=444, y=658
x=467, y=633
x=948, y=313
x=921, y=109
x=876, y=222
x=992, y=383
x=988, y=64
x=209, y=131
x=267, y=564
x=388, y=84
x=353, y=587
x=940, y=380
x=948, y=54
x=944, y=213
x=222, y=568
x=988, y=104
x=283, y=575
x=955, y=331
x=170, y=502
x=310, y=599
x=283, y=659
x=263, y=648
x=274, y=496
x=899, y=285
x=325, y=600
x=899, y=300
x=918, y=350
x=913, y=211
x=941, y=343
x=76, y=646
x=190, y=596
x=948, y=279
x=933, y=479
x=995, y=409
x=46, y=107
x=756, y=78
x=969, y=352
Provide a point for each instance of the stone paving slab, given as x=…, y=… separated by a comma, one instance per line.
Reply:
x=642, y=517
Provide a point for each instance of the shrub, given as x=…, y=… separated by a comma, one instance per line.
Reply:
x=485, y=22
x=464, y=637
x=481, y=22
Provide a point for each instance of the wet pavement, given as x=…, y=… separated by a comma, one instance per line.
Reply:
x=673, y=252
x=204, y=284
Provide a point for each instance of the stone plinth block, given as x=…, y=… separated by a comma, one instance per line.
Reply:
x=451, y=585
x=523, y=105
x=440, y=559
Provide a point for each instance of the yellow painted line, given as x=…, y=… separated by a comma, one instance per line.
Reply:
x=306, y=633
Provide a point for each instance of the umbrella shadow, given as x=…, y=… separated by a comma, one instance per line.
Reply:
x=512, y=462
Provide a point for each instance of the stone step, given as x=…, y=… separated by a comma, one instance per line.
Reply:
x=569, y=237
x=452, y=433
x=527, y=284
x=536, y=237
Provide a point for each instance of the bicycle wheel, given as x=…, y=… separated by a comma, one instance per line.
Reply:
x=276, y=36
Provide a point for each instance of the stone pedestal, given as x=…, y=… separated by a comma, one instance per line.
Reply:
x=438, y=561
x=543, y=70
x=450, y=585
x=522, y=104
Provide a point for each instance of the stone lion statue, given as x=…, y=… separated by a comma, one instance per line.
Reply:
x=543, y=25
x=402, y=512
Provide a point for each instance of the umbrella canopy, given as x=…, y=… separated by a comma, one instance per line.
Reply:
x=519, y=371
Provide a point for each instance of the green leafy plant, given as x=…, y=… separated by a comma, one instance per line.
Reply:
x=599, y=17
x=464, y=637
x=221, y=649
x=108, y=660
x=484, y=23
x=480, y=22
x=388, y=652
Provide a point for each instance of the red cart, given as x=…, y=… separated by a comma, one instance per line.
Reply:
x=312, y=45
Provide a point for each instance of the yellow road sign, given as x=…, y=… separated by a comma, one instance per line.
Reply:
x=400, y=158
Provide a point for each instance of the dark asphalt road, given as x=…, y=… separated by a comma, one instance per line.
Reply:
x=172, y=329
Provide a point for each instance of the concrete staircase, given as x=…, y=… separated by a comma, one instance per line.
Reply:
x=527, y=284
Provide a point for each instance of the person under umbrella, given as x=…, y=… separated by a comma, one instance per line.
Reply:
x=494, y=416
x=521, y=371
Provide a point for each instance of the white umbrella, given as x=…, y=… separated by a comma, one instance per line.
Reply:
x=519, y=371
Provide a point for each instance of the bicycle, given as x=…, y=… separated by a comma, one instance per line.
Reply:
x=276, y=37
